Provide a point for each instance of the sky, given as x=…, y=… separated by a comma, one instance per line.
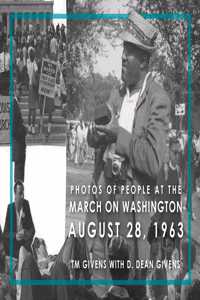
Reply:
x=59, y=8
x=111, y=62
x=108, y=6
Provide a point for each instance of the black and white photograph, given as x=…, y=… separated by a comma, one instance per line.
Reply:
x=38, y=140
x=104, y=168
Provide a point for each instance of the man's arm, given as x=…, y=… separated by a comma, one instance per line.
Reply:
x=96, y=139
x=29, y=232
x=7, y=233
x=146, y=151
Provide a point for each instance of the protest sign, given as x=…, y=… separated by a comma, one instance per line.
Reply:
x=48, y=78
x=4, y=119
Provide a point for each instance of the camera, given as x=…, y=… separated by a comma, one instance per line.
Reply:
x=115, y=169
x=102, y=114
x=116, y=165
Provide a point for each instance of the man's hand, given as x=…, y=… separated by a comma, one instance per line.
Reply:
x=27, y=234
x=20, y=235
x=43, y=264
x=99, y=135
x=110, y=132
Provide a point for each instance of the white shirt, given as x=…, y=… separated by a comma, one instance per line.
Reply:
x=4, y=62
x=127, y=113
x=19, y=219
x=31, y=68
x=80, y=134
x=182, y=143
x=197, y=145
x=53, y=45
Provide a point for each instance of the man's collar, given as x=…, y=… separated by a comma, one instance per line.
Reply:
x=118, y=291
x=22, y=203
x=172, y=167
x=145, y=88
x=141, y=86
x=138, y=86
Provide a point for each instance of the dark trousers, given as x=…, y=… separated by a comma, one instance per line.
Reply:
x=19, y=171
x=30, y=271
x=31, y=116
x=60, y=292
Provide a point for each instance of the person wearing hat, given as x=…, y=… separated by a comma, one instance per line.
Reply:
x=140, y=137
x=19, y=142
x=118, y=251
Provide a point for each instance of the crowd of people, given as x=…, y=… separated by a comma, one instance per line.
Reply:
x=77, y=147
x=30, y=46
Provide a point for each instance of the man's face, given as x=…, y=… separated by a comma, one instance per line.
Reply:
x=131, y=64
x=19, y=194
x=174, y=153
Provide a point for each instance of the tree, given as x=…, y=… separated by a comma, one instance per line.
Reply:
x=82, y=46
x=174, y=66
x=92, y=91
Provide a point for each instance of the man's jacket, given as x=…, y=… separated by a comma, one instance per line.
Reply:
x=27, y=224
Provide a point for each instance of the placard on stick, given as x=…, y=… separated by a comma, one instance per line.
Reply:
x=48, y=78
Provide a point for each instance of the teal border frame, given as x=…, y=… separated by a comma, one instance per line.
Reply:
x=165, y=17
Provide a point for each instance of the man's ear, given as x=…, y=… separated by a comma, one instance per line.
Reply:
x=144, y=64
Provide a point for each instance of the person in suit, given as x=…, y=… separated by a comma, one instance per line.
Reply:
x=139, y=138
x=23, y=229
x=19, y=142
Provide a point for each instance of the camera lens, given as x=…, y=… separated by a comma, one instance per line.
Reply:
x=116, y=168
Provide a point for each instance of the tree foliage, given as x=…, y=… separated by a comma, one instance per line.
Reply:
x=172, y=59
x=83, y=44
x=90, y=92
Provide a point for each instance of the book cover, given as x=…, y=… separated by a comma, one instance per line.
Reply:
x=100, y=132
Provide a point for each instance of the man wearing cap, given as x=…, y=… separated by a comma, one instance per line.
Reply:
x=140, y=137
x=118, y=251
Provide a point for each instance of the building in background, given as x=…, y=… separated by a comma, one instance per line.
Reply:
x=30, y=7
